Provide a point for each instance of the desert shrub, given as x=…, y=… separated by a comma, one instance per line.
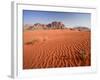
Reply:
x=31, y=42
x=83, y=57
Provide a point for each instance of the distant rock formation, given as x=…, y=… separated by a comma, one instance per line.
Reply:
x=81, y=28
x=39, y=26
x=56, y=25
x=53, y=25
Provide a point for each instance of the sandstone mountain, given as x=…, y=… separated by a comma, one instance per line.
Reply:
x=53, y=25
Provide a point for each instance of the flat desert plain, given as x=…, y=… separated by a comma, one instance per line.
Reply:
x=56, y=48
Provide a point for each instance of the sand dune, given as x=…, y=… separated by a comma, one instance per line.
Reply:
x=56, y=48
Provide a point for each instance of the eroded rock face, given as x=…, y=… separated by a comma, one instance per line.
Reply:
x=39, y=26
x=56, y=25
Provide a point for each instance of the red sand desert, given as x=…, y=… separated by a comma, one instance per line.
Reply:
x=56, y=48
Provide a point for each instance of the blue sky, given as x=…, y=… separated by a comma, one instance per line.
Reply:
x=68, y=18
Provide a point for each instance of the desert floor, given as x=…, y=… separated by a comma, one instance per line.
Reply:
x=56, y=48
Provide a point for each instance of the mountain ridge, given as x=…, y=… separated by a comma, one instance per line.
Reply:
x=53, y=25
